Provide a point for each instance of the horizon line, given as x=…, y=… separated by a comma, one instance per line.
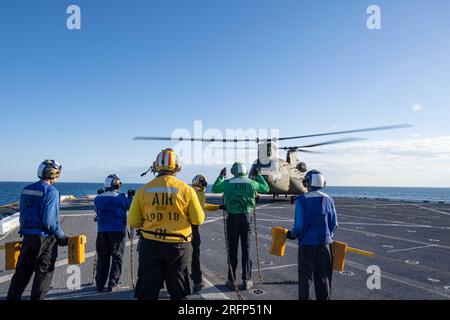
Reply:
x=332, y=186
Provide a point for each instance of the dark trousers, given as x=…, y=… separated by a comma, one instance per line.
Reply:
x=161, y=262
x=239, y=227
x=196, y=272
x=37, y=254
x=315, y=264
x=110, y=249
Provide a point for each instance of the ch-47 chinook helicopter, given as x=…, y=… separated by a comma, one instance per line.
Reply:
x=284, y=177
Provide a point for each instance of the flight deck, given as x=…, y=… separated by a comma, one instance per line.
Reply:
x=411, y=242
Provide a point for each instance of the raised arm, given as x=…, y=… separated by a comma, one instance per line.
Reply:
x=260, y=184
x=219, y=185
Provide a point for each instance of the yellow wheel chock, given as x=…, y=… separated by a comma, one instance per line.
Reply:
x=340, y=250
x=77, y=249
x=76, y=255
x=12, y=252
x=278, y=245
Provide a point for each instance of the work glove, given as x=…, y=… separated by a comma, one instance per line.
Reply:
x=100, y=191
x=290, y=236
x=223, y=173
x=254, y=173
x=63, y=242
x=131, y=193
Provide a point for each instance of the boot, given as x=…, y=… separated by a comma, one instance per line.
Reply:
x=247, y=285
x=198, y=286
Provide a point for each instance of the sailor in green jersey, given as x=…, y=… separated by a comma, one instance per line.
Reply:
x=240, y=200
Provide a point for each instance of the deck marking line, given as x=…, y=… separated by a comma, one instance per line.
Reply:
x=212, y=220
x=395, y=238
x=79, y=215
x=277, y=267
x=430, y=209
x=213, y=294
x=399, y=279
x=414, y=248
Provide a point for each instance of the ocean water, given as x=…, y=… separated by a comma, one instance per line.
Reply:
x=392, y=193
x=10, y=191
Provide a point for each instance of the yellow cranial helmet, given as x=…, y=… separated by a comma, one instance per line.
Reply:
x=200, y=182
x=167, y=160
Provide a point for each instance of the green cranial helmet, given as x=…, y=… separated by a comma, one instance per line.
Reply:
x=239, y=169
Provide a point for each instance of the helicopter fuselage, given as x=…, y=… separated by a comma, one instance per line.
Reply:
x=286, y=180
x=282, y=176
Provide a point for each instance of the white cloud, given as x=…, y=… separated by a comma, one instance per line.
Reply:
x=409, y=162
x=417, y=108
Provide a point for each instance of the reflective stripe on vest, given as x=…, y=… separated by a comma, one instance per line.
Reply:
x=34, y=193
x=162, y=234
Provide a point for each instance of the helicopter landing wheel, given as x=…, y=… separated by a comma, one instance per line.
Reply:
x=293, y=199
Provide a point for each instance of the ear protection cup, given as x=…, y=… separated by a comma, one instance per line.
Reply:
x=305, y=182
x=117, y=184
x=113, y=182
x=49, y=169
x=199, y=181
x=314, y=179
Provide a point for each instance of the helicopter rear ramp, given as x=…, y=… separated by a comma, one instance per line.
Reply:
x=411, y=242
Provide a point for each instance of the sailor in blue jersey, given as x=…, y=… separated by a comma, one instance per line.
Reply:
x=111, y=207
x=42, y=233
x=314, y=227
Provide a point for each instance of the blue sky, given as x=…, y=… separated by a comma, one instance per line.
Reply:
x=149, y=67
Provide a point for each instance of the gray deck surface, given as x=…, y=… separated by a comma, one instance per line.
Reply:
x=411, y=242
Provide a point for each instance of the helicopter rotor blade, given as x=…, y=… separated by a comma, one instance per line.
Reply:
x=395, y=126
x=338, y=141
x=299, y=150
x=309, y=151
x=331, y=142
x=266, y=140
x=234, y=148
x=194, y=139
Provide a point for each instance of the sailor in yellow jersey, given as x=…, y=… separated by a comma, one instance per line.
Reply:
x=199, y=184
x=164, y=210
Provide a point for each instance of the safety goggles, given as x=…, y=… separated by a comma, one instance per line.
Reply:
x=55, y=165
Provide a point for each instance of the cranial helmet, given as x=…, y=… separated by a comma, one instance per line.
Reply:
x=112, y=182
x=314, y=180
x=167, y=160
x=49, y=169
x=200, y=182
x=239, y=169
